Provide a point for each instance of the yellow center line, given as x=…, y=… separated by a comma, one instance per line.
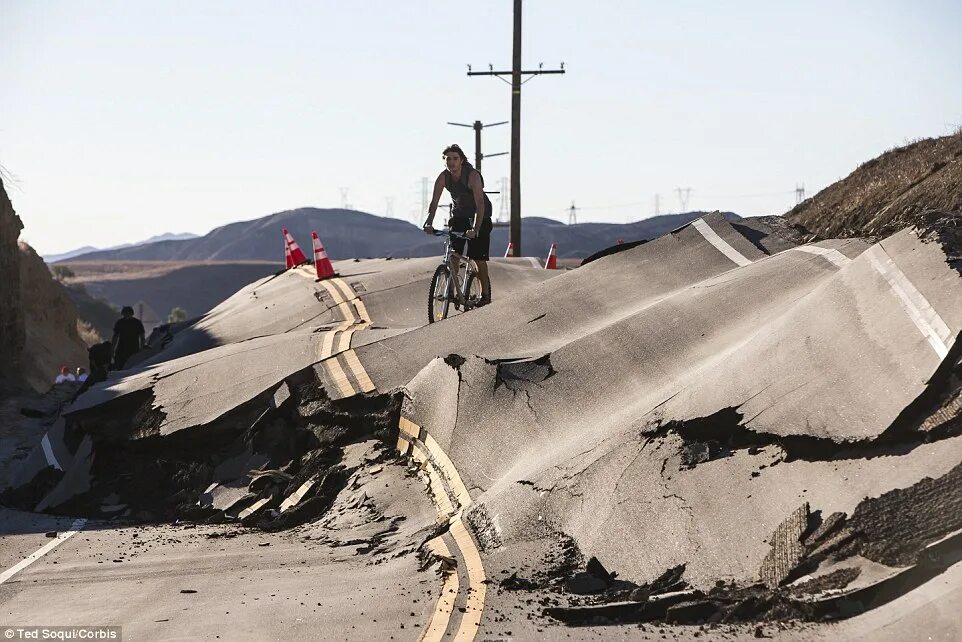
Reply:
x=426, y=451
x=477, y=589
x=344, y=342
x=449, y=592
x=360, y=373
x=348, y=292
x=340, y=378
x=447, y=468
x=327, y=347
x=362, y=312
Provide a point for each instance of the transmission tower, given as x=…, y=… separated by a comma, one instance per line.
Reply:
x=657, y=204
x=389, y=209
x=572, y=214
x=344, y=204
x=799, y=193
x=683, y=194
x=503, y=209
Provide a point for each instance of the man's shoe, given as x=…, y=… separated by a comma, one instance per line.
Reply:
x=483, y=301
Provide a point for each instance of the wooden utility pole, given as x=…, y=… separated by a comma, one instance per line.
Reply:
x=516, y=73
x=477, y=127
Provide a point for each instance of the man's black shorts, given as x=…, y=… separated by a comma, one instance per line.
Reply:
x=478, y=248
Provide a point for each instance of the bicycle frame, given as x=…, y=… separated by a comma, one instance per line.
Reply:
x=469, y=270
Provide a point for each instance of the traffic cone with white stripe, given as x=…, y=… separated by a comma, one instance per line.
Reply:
x=552, y=262
x=288, y=262
x=297, y=254
x=322, y=264
x=510, y=251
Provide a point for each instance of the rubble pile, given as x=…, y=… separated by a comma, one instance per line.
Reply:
x=272, y=463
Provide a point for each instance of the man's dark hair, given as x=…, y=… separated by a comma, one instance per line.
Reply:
x=126, y=311
x=455, y=148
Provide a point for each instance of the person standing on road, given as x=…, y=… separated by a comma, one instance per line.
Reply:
x=471, y=214
x=128, y=337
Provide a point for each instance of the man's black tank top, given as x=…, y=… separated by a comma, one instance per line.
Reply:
x=464, y=205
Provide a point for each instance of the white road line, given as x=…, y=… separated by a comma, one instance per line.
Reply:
x=919, y=310
x=76, y=527
x=48, y=452
x=720, y=244
x=534, y=262
x=834, y=256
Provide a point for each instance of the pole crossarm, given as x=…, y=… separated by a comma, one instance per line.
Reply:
x=532, y=72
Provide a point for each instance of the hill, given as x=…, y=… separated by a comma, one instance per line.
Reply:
x=349, y=234
x=194, y=286
x=87, y=249
x=889, y=192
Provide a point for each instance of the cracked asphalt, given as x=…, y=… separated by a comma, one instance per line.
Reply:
x=668, y=406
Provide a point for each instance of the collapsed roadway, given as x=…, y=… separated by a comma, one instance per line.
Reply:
x=722, y=428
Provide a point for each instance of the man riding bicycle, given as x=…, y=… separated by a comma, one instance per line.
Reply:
x=471, y=214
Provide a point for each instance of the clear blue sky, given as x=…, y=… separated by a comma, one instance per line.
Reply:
x=121, y=120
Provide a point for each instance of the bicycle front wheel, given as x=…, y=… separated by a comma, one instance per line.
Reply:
x=439, y=295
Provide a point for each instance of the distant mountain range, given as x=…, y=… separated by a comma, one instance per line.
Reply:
x=87, y=249
x=351, y=234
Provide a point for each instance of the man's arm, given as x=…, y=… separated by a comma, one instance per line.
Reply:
x=433, y=207
x=477, y=188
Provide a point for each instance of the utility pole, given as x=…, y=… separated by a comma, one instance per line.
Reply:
x=516, y=73
x=799, y=193
x=572, y=214
x=683, y=194
x=477, y=126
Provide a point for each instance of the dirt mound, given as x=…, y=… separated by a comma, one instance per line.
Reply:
x=50, y=323
x=888, y=193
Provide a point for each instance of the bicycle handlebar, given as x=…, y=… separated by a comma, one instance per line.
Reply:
x=458, y=235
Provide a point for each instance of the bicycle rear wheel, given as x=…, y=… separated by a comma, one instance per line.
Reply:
x=440, y=294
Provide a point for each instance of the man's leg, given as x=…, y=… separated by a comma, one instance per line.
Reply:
x=485, y=279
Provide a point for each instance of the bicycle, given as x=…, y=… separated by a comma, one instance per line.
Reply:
x=463, y=292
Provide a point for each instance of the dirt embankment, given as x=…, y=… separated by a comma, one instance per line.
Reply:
x=50, y=324
x=11, y=317
x=888, y=193
x=38, y=323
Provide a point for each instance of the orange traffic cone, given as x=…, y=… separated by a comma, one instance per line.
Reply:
x=510, y=251
x=297, y=255
x=552, y=262
x=322, y=264
x=288, y=261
